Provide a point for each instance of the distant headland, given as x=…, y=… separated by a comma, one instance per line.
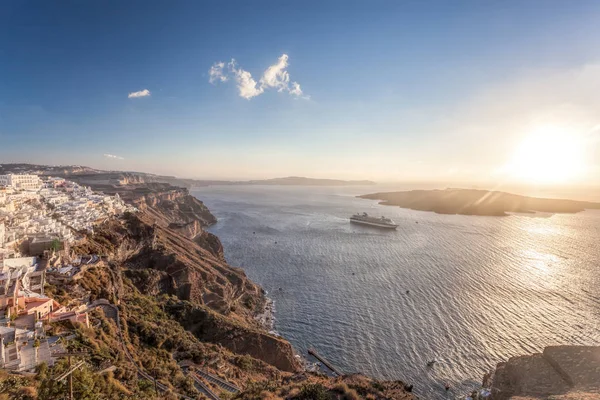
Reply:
x=477, y=202
x=93, y=176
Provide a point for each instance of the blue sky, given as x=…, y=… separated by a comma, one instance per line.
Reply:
x=391, y=90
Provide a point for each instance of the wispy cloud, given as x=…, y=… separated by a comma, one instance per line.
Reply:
x=275, y=77
x=215, y=74
x=141, y=93
x=113, y=156
x=296, y=91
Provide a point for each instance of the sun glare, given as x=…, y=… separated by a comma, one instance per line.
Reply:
x=548, y=155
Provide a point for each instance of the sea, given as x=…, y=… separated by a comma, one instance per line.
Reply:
x=465, y=291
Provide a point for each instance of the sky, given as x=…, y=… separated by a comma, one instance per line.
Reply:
x=381, y=90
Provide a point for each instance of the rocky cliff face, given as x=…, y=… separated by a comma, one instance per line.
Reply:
x=559, y=372
x=172, y=206
x=160, y=259
x=239, y=338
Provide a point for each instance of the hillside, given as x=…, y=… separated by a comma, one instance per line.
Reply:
x=477, y=202
x=171, y=308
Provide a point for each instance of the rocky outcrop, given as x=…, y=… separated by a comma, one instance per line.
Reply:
x=159, y=260
x=210, y=242
x=171, y=206
x=559, y=372
x=239, y=338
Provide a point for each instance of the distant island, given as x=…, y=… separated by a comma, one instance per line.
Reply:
x=302, y=181
x=477, y=202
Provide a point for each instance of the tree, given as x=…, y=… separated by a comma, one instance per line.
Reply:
x=55, y=245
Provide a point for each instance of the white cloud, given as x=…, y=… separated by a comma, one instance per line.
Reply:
x=215, y=74
x=113, y=156
x=245, y=83
x=141, y=93
x=296, y=91
x=275, y=76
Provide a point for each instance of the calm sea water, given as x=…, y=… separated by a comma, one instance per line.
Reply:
x=482, y=289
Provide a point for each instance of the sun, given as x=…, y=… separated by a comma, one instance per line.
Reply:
x=547, y=155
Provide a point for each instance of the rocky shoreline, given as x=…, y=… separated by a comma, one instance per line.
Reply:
x=266, y=318
x=558, y=373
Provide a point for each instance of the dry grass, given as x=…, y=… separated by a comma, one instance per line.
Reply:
x=346, y=392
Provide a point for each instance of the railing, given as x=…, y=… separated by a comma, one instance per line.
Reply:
x=218, y=381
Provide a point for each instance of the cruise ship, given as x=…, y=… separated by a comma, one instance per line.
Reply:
x=381, y=222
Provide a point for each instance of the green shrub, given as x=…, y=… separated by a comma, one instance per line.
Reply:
x=244, y=362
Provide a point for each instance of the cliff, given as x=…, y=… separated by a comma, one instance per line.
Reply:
x=239, y=338
x=159, y=261
x=477, y=202
x=165, y=205
x=559, y=373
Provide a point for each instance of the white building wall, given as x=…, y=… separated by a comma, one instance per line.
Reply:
x=25, y=182
x=2, y=233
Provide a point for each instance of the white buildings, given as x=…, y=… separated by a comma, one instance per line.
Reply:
x=57, y=211
x=11, y=346
x=23, y=182
x=52, y=182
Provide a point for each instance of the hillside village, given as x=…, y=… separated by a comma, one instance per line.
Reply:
x=40, y=220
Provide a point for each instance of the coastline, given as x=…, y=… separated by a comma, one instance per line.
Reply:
x=266, y=318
